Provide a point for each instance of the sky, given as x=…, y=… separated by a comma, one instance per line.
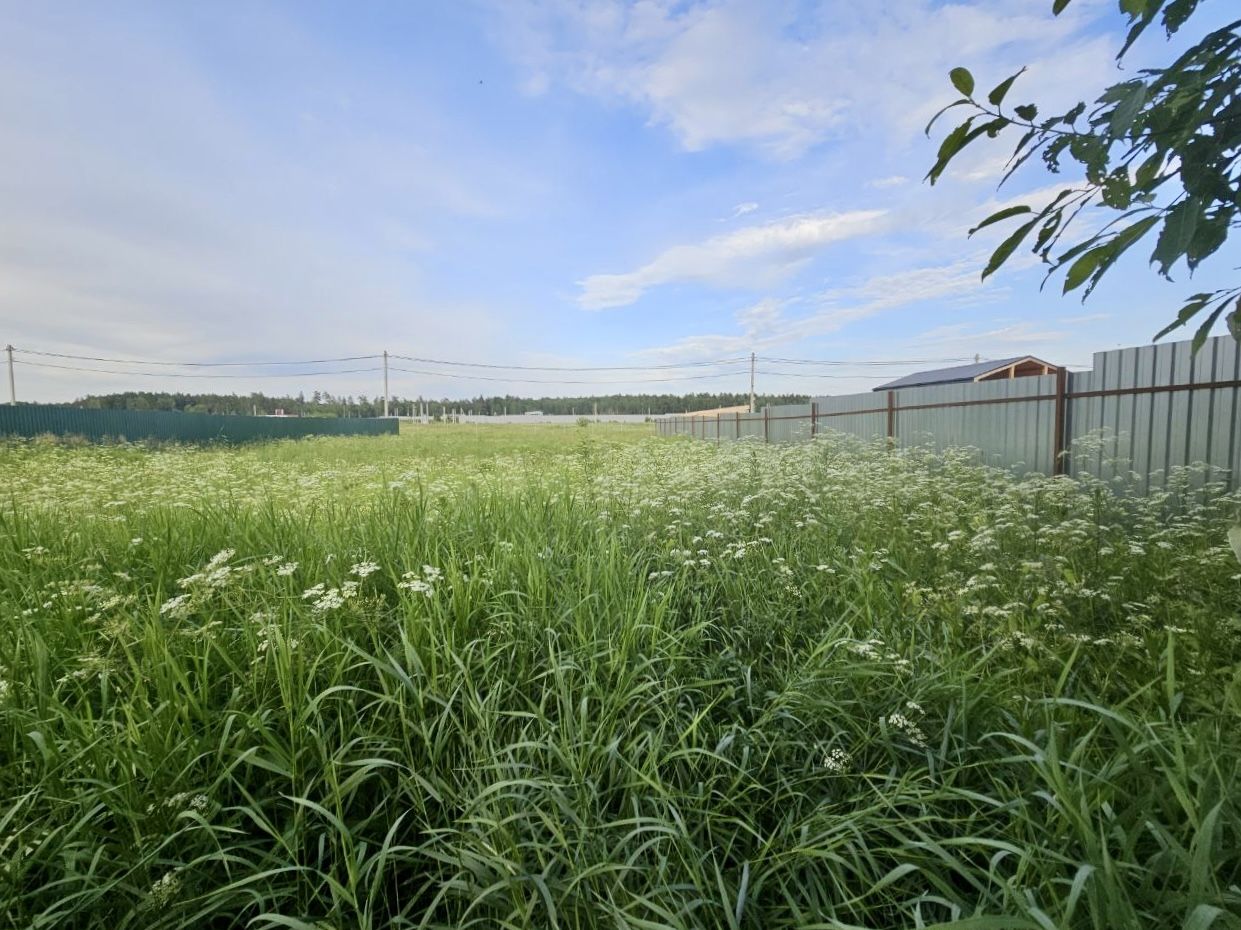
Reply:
x=547, y=184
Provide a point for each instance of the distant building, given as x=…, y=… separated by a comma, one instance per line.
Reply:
x=719, y=411
x=1019, y=366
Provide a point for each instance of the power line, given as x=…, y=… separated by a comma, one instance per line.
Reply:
x=349, y=371
x=438, y=361
x=472, y=377
x=817, y=375
x=355, y=358
x=137, y=361
x=864, y=362
x=176, y=374
x=487, y=365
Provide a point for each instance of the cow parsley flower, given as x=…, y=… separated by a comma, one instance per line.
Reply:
x=176, y=607
x=165, y=890
x=836, y=760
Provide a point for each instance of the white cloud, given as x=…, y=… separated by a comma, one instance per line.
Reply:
x=742, y=209
x=895, y=180
x=769, y=324
x=749, y=257
x=782, y=76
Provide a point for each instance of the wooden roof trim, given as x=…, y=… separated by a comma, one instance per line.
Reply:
x=1051, y=369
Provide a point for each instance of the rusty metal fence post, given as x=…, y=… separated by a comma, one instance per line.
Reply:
x=1059, y=440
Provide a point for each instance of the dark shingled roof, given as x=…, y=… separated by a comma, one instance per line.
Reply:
x=950, y=375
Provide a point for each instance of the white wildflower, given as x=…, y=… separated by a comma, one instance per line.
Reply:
x=837, y=760
x=165, y=889
x=176, y=607
x=330, y=600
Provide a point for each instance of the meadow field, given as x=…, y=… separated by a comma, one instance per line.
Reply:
x=511, y=677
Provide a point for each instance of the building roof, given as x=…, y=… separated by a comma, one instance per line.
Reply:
x=956, y=374
x=714, y=411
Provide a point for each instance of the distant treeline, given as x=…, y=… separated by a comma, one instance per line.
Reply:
x=324, y=404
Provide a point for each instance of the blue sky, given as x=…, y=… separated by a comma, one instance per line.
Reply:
x=542, y=183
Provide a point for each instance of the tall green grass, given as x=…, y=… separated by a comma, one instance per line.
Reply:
x=581, y=678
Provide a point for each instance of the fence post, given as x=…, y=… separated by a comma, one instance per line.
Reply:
x=1060, y=440
x=814, y=418
x=766, y=430
x=737, y=425
x=891, y=419
x=718, y=437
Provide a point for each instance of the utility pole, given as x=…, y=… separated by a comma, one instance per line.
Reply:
x=385, y=382
x=752, y=360
x=12, y=390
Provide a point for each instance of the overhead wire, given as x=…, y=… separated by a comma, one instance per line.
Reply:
x=176, y=374
x=735, y=366
x=698, y=364
x=865, y=362
x=136, y=361
x=702, y=363
x=471, y=377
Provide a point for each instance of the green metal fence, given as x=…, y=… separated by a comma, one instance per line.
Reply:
x=132, y=425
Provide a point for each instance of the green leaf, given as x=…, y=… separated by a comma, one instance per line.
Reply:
x=1083, y=268
x=1058, y=7
x=962, y=80
x=1234, y=327
x=1001, y=215
x=1208, y=237
x=1148, y=170
x=1205, y=329
x=1127, y=109
x=998, y=93
x=1177, y=233
x=934, y=119
x=1192, y=306
x=956, y=140
x=1027, y=111
x=1117, y=247
x=1006, y=248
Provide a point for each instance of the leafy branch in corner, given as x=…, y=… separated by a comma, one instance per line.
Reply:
x=1161, y=150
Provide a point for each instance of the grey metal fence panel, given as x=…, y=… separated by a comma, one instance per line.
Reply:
x=1084, y=420
x=789, y=423
x=752, y=425
x=35, y=420
x=854, y=414
x=1009, y=422
x=1137, y=411
x=1151, y=430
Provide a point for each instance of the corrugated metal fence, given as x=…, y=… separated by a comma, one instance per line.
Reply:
x=1143, y=410
x=35, y=420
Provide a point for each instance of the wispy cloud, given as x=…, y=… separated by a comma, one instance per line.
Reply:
x=793, y=73
x=894, y=180
x=773, y=323
x=749, y=257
